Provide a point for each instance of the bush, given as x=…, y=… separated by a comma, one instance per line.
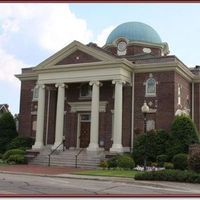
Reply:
x=17, y=159
x=194, y=161
x=112, y=163
x=183, y=133
x=103, y=164
x=161, y=159
x=168, y=165
x=169, y=175
x=21, y=142
x=8, y=153
x=156, y=143
x=180, y=161
x=125, y=162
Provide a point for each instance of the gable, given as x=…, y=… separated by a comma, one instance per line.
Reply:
x=74, y=53
x=77, y=57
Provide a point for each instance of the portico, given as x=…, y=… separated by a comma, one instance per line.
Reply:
x=117, y=71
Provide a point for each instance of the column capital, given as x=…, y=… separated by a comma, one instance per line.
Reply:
x=38, y=85
x=62, y=85
x=119, y=82
x=97, y=83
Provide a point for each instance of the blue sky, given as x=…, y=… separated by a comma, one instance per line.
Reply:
x=29, y=33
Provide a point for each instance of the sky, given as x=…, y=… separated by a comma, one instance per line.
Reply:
x=31, y=32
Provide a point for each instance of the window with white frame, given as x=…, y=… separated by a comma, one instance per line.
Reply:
x=85, y=91
x=35, y=93
x=150, y=89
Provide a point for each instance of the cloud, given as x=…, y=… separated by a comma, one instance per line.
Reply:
x=9, y=65
x=101, y=38
x=62, y=27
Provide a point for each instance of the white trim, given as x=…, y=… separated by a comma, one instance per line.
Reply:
x=86, y=106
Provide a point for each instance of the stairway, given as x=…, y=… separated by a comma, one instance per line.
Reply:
x=85, y=159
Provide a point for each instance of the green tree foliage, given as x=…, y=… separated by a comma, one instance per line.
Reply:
x=156, y=143
x=183, y=133
x=7, y=130
x=21, y=142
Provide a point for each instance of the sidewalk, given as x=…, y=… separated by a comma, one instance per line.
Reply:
x=67, y=172
x=55, y=171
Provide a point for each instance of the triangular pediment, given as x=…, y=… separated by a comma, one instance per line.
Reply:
x=78, y=57
x=75, y=53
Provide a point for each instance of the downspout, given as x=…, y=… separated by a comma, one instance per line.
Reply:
x=47, y=122
x=192, y=101
x=132, y=110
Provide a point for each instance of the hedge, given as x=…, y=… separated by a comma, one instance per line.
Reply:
x=169, y=175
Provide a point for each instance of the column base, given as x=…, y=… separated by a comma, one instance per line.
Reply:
x=38, y=145
x=56, y=146
x=117, y=148
x=93, y=147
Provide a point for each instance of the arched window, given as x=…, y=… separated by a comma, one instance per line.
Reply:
x=150, y=87
x=85, y=91
x=35, y=93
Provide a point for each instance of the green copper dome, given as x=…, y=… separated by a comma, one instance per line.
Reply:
x=134, y=31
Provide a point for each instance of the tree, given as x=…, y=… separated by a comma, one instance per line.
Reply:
x=183, y=133
x=7, y=130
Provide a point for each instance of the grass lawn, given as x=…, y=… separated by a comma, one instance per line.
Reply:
x=109, y=172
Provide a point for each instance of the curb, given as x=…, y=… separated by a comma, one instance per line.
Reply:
x=96, y=178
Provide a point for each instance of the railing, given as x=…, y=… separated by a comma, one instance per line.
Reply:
x=76, y=157
x=49, y=155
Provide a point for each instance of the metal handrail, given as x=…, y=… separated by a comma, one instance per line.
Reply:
x=49, y=155
x=76, y=157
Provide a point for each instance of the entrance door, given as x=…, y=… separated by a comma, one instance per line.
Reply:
x=84, y=130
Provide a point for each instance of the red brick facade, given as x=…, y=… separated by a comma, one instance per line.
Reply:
x=163, y=105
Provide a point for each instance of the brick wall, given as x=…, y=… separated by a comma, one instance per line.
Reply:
x=163, y=101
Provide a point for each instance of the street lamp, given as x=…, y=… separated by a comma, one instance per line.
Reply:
x=145, y=110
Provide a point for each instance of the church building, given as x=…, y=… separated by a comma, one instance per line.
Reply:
x=91, y=96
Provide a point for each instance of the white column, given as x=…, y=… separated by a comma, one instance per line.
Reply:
x=117, y=135
x=59, y=116
x=40, y=118
x=94, y=128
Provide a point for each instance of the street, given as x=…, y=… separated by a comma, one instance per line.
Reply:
x=25, y=184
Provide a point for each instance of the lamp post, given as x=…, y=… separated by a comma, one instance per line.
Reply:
x=145, y=110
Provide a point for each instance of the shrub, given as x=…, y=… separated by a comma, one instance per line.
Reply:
x=103, y=164
x=194, y=161
x=112, y=163
x=21, y=142
x=161, y=159
x=125, y=162
x=156, y=143
x=8, y=153
x=17, y=159
x=168, y=165
x=7, y=130
x=183, y=133
x=169, y=175
x=180, y=161
x=154, y=164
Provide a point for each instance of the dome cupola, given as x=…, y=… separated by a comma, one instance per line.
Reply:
x=134, y=31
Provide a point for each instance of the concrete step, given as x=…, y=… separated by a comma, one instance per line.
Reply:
x=67, y=158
